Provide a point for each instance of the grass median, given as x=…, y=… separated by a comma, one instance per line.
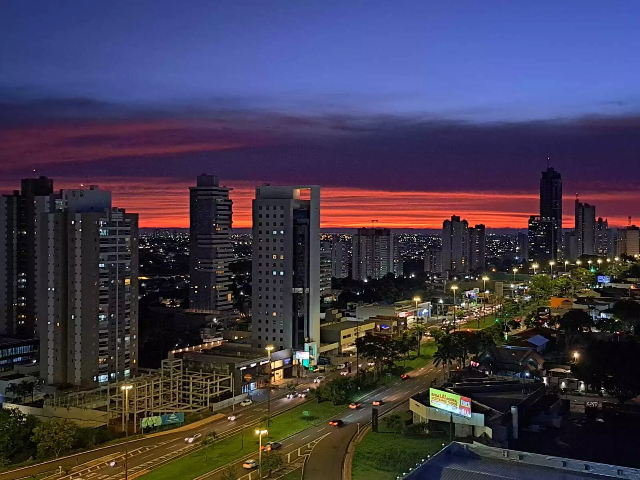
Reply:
x=244, y=443
x=386, y=455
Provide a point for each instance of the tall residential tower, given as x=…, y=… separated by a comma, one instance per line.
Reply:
x=210, y=249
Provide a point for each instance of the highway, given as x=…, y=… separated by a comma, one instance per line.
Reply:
x=151, y=450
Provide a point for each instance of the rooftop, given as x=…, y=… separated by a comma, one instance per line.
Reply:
x=338, y=326
x=478, y=462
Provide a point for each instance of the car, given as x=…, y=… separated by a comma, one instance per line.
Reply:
x=248, y=464
x=340, y=366
x=246, y=402
x=404, y=376
x=193, y=438
x=377, y=403
x=112, y=463
x=301, y=394
x=318, y=379
x=272, y=446
x=354, y=405
x=344, y=373
x=336, y=423
x=231, y=418
x=291, y=395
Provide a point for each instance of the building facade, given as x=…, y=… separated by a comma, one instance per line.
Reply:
x=210, y=248
x=585, y=229
x=19, y=213
x=551, y=205
x=88, y=290
x=286, y=267
x=325, y=266
x=604, y=237
x=455, y=245
x=523, y=246
x=542, y=237
x=374, y=253
x=628, y=242
x=433, y=260
x=477, y=247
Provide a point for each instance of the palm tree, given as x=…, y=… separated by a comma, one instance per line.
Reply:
x=14, y=389
x=446, y=351
x=419, y=331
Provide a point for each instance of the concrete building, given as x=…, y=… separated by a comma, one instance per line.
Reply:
x=286, y=268
x=339, y=259
x=477, y=244
x=341, y=336
x=570, y=246
x=325, y=267
x=585, y=229
x=542, y=240
x=88, y=290
x=19, y=225
x=374, y=253
x=433, y=260
x=628, y=241
x=455, y=245
x=551, y=205
x=210, y=249
x=604, y=237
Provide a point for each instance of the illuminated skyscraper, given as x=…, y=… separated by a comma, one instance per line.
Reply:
x=551, y=205
x=455, y=245
x=585, y=229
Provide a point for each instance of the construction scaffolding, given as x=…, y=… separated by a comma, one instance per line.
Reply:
x=172, y=389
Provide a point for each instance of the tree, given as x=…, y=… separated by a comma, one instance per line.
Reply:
x=207, y=443
x=15, y=435
x=382, y=351
x=612, y=366
x=583, y=277
x=628, y=312
x=446, y=351
x=394, y=423
x=271, y=462
x=563, y=286
x=57, y=436
x=540, y=287
x=230, y=473
x=419, y=331
x=576, y=321
x=340, y=389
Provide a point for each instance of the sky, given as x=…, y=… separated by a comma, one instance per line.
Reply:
x=405, y=112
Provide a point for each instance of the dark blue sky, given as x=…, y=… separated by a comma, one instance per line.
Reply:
x=464, y=59
x=465, y=97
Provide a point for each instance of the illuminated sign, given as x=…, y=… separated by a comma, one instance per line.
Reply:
x=302, y=355
x=604, y=279
x=450, y=402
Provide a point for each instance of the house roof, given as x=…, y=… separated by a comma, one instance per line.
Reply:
x=538, y=340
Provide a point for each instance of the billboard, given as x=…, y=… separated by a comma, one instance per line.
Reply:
x=604, y=279
x=158, y=420
x=450, y=402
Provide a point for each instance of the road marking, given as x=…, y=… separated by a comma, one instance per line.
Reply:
x=321, y=429
x=305, y=437
x=348, y=416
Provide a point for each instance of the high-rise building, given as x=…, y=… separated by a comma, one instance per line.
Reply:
x=542, y=238
x=604, y=237
x=455, y=245
x=339, y=264
x=551, y=204
x=325, y=266
x=286, y=267
x=433, y=260
x=477, y=244
x=585, y=229
x=628, y=241
x=570, y=246
x=19, y=213
x=523, y=246
x=210, y=249
x=87, y=290
x=374, y=254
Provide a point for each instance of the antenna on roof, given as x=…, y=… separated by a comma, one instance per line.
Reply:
x=548, y=161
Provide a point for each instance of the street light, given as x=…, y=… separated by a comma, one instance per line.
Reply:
x=417, y=300
x=513, y=291
x=484, y=283
x=578, y=262
x=576, y=355
x=515, y=271
x=260, y=433
x=566, y=262
x=551, y=264
x=269, y=349
x=453, y=289
x=590, y=262
x=125, y=389
x=535, y=266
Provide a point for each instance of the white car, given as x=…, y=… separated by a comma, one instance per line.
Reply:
x=193, y=439
x=318, y=379
x=340, y=366
x=246, y=402
x=231, y=418
x=344, y=373
x=291, y=395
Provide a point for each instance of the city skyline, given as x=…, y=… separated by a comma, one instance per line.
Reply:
x=454, y=110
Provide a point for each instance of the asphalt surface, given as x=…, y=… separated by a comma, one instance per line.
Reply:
x=94, y=464
x=326, y=459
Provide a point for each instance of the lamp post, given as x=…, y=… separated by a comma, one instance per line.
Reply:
x=260, y=433
x=566, y=262
x=535, y=267
x=417, y=300
x=513, y=291
x=578, y=262
x=551, y=264
x=515, y=271
x=576, y=355
x=484, y=283
x=590, y=262
x=269, y=349
x=125, y=389
x=453, y=289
